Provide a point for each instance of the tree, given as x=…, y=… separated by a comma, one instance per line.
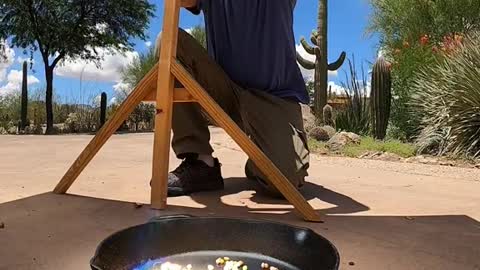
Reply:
x=198, y=32
x=61, y=29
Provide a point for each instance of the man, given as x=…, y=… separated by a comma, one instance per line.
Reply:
x=250, y=69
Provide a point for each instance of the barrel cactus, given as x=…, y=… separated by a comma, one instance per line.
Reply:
x=381, y=97
x=319, y=134
x=321, y=65
x=24, y=105
x=103, y=108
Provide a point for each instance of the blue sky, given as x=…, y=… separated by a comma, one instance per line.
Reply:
x=347, y=22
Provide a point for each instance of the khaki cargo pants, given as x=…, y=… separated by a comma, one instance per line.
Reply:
x=274, y=124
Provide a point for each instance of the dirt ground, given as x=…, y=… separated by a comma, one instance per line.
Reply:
x=380, y=215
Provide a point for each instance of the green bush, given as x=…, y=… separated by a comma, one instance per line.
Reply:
x=370, y=144
x=411, y=33
x=448, y=100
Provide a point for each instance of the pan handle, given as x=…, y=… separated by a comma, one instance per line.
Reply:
x=169, y=217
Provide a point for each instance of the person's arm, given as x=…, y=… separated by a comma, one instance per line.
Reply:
x=192, y=5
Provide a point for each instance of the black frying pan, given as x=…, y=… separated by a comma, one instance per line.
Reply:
x=200, y=241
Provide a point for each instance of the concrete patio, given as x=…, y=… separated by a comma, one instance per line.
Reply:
x=380, y=215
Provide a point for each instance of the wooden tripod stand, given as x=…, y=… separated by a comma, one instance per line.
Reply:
x=158, y=86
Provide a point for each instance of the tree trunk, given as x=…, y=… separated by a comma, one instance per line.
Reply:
x=49, y=99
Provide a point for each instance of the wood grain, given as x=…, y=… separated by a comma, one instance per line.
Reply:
x=180, y=95
x=252, y=150
x=164, y=105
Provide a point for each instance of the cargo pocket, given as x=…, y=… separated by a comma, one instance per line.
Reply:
x=302, y=152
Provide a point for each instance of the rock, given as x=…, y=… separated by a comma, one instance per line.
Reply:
x=2, y=225
x=340, y=140
x=447, y=163
x=29, y=130
x=423, y=160
x=353, y=137
x=385, y=156
x=3, y=131
x=12, y=130
x=370, y=154
x=389, y=157
x=319, y=134
x=308, y=118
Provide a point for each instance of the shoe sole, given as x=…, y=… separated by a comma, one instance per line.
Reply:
x=177, y=191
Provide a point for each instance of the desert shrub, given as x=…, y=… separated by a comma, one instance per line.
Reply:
x=413, y=34
x=9, y=109
x=448, y=101
x=355, y=117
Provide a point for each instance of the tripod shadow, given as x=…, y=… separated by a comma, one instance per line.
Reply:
x=252, y=197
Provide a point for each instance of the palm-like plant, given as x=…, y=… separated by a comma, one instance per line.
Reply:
x=448, y=101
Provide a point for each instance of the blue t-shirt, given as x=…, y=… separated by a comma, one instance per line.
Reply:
x=253, y=41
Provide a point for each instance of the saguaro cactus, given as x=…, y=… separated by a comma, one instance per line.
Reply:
x=381, y=97
x=103, y=108
x=321, y=65
x=23, y=114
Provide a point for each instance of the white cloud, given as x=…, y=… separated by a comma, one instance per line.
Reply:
x=21, y=59
x=113, y=100
x=97, y=100
x=121, y=91
x=6, y=62
x=336, y=89
x=16, y=76
x=101, y=28
x=148, y=44
x=110, y=67
x=122, y=87
x=309, y=74
x=14, y=82
x=381, y=53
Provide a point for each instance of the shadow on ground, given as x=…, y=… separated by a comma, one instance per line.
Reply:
x=50, y=231
x=342, y=204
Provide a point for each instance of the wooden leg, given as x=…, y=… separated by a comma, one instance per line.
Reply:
x=163, y=117
x=260, y=159
x=137, y=95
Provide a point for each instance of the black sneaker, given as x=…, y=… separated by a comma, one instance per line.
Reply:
x=194, y=175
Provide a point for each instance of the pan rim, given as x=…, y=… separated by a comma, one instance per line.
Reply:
x=167, y=218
